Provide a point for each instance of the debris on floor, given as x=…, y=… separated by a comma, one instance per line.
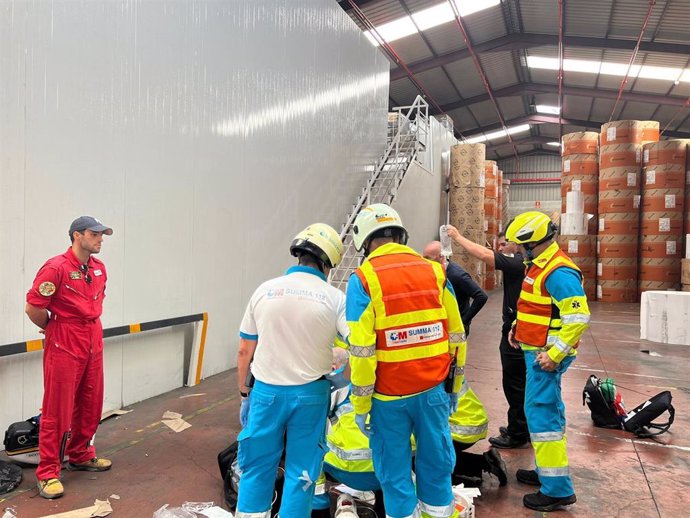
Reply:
x=174, y=421
x=99, y=509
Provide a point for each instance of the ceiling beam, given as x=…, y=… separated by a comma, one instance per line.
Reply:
x=539, y=88
x=535, y=140
x=553, y=119
x=523, y=41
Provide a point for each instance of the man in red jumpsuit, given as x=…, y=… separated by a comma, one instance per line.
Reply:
x=66, y=301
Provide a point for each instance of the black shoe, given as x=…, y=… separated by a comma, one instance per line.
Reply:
x=541, y=502
x=496, y=466
x=528, y=476
x=320, y=513
x=503, y=430
x=507, y=442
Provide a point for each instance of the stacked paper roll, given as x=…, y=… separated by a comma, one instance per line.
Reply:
x=467, y=184
x=580, y=171
x=661, y=223
x=491, y=216
x=620, y=161
x=687, y=201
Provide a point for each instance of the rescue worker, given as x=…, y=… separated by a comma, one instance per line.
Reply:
x=464, y=286
x=66, y=302
x=508, y=260
x=405, y=330
x=552, y=315
x=288, y=330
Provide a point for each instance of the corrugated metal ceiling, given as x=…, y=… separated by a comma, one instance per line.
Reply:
x=593, y=19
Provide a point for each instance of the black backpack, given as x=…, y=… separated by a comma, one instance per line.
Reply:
x=640, y=420
x=229, y=472
x=603, y=411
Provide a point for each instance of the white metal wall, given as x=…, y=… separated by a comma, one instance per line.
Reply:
x=419, y=199
x=206, y=133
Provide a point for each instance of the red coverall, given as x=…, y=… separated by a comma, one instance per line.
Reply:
x=72, y=359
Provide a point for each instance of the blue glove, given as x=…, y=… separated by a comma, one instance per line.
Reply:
x=361, y=420
x=453, y=401
x=244, y=411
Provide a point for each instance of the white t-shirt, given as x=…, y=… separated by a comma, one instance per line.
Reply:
x=295, y=319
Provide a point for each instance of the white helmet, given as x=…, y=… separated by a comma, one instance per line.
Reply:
x=321, y=241
x=373, y=218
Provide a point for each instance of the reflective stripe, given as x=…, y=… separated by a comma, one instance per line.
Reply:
x=554, y=472
x=469, y=430
x=575, y=318
x=343, y=409
x=546, y=436
x=412, y=353
x=562, y=346
x=531, y=297
x=440, y=511
x=460, y=371
x=360, y=454
x=463, y=389
x=534, y=319
x=362, y=351
x=366, y=390
x=265, y=514
x=455, y=338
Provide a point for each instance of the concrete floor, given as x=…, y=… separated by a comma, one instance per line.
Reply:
x=614, y=475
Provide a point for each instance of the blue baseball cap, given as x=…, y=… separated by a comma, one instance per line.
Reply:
x=89, y=223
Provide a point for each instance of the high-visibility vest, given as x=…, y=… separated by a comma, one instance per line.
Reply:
x=411, y=323
x=348, y=447
x=469, y=423
x=537, y=315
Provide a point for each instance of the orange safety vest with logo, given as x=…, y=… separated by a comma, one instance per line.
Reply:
x=537, y=316
x=410, y=322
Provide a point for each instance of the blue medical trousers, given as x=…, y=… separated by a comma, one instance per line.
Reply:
x=392, y=423
x=296, y=415
x=545, y=413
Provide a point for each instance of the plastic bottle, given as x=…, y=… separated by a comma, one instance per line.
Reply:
x=446, y=243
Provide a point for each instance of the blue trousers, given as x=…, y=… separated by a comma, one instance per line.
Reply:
x=392, y=422
x=296, y=415
x=545, y=413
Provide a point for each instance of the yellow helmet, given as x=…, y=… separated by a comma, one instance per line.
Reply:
x=373, y=218
x=321, y=241
x=530, y=227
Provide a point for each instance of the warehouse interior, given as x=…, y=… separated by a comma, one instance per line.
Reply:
x=207, y=134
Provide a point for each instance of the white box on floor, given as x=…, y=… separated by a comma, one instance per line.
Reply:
x=664, y=317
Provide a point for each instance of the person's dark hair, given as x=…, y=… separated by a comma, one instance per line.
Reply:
x=395, y=233
x=71, y=237
x=307, y=259
x=501, y=234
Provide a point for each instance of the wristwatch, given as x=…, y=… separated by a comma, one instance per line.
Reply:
x=244, y=394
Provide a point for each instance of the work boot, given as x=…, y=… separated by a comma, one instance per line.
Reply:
x=95, y=464
x=496, y=466
x=507, y=442
x=541, y=502
x=503, y=430
x=528, y=476
x=50, y=488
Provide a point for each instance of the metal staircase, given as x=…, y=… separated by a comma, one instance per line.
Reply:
x=408, y=133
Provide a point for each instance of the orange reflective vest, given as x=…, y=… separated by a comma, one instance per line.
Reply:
x=537, y=315
x=410, y=322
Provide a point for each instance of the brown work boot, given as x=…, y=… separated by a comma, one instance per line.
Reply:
x=95, y=464
x=50, y=488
